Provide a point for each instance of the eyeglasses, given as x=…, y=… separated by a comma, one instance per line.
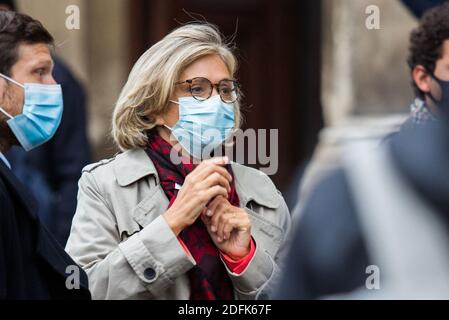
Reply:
x=201, y=89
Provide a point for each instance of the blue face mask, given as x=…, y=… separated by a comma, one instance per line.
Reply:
x=41, y=115
x=203, y=125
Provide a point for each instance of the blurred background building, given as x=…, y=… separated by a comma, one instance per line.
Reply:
x=305, y=65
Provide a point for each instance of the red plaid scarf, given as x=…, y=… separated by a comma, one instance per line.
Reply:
x=209, y=279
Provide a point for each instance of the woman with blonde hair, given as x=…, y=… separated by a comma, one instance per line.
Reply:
x=148, y=226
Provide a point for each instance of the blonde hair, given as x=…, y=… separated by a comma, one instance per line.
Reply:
x=151, y=82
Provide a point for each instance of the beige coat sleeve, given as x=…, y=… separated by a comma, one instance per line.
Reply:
x=143, y=266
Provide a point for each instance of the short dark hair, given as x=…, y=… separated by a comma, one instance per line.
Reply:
x=9, y=3
x=17, y=29
x=426, y=41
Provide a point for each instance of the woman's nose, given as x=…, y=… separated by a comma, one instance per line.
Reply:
x=215, y=91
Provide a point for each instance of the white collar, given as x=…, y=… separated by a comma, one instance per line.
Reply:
x=3, y=158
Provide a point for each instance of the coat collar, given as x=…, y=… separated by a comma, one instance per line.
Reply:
x=3, y=158
x=133, y=165
x=251, y=184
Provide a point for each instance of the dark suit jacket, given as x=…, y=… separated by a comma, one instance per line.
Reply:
x=32, y=264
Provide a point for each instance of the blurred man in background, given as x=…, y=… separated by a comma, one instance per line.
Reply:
x=379, y=223
x=428, y=61
x=52, y=171
x=425, y=45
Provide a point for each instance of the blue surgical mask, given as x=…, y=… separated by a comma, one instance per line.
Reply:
x=41, y=115
x=203, y=125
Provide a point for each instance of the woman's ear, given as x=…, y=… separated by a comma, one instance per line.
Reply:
x=422, y=78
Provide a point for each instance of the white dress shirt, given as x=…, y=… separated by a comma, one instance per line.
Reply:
x=3, y=158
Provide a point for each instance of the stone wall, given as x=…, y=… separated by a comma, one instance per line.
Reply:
x=364, y=71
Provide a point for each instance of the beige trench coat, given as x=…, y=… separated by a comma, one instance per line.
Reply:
x=122, y=241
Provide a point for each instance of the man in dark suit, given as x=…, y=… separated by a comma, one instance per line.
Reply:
x=32, y=264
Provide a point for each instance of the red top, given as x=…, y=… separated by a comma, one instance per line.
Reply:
x=235, y=266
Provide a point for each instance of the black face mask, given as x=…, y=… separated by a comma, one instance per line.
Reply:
x=443, y=103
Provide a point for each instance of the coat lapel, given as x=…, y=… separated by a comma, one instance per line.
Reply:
x=132, y=166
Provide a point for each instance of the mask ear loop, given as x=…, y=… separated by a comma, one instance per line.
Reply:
x=6, y=113
x=12, y=80
x=171, y=129
x=429, y=94
x=16, y=83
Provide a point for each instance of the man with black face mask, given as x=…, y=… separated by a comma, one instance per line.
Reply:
x=429, y=64
x=377, y=228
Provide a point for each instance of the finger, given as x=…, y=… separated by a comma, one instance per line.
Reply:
x=215, y=179
x=229, y=227
x=220, y=209
x=212, y=206
x=213, y=192
x=214, y=162
x=242, y=223
x=206, y=171
x=206, y=220
x=205, y=217
x=220, y=161
x=223, y=224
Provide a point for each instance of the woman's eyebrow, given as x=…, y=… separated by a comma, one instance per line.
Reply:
x=228, y=78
